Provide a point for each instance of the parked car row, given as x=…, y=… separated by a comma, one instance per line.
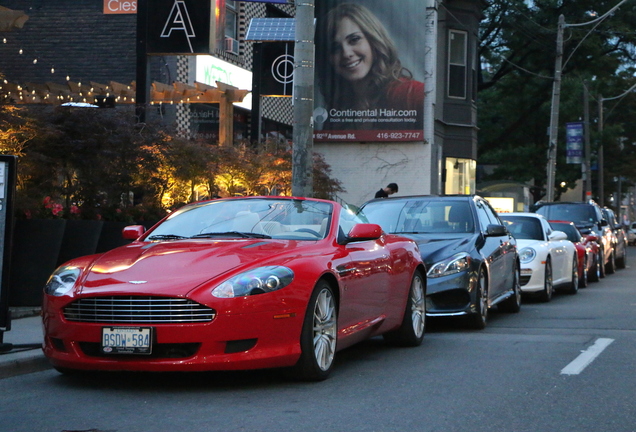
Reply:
x=592, y=220
x=262, y=282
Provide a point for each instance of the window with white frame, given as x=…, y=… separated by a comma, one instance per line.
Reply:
x=457, y=55
x=231, y=19
x=231, y=26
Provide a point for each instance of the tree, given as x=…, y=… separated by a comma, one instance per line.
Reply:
x=518, y=42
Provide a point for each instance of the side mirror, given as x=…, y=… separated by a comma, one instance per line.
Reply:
x=493, y=230
x=364, y=232
x=558, y=235
x=604, y=222
x=133, y=232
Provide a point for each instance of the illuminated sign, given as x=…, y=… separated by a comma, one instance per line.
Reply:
x=112, y=7
x=502, y=204
x=182, y=27
x=210, y=69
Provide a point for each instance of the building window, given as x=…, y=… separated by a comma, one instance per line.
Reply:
x=460, y=176
x=231, y=19
x=231, y=27
x=457, y=64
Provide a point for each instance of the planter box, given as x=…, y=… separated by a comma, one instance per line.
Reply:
x=80, y=238
x=36, y=248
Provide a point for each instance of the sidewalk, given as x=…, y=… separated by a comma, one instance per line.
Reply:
x=26, y=337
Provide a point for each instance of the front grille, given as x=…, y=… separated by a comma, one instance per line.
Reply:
x=138, y=310
x=523, y=280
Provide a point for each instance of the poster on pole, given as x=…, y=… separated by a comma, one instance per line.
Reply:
x=369, y=71
x=574, y=142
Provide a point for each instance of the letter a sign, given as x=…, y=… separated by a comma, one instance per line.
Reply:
x=181, y=27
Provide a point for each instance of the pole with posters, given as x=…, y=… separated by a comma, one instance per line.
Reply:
x=303, y=99
x=7, y=194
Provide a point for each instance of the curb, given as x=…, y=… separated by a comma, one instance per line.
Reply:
x=23, y=362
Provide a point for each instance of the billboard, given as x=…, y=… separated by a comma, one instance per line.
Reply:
x=369, y=71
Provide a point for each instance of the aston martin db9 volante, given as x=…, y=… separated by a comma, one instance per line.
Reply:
x=240, y=283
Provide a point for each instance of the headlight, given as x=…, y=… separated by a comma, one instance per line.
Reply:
x=455, y=264
x=62, y=281
x=258, y=281
x=527, y=254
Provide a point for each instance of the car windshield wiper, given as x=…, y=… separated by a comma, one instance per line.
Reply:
x=166, y=237
x=232, y=234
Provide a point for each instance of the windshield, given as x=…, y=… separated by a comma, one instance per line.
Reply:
x=259, y=218
x=580, y=214
x=420, y=216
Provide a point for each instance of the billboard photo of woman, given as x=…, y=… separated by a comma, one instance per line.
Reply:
x=365, y=93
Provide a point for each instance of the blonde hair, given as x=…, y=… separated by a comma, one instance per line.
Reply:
x=386, y=68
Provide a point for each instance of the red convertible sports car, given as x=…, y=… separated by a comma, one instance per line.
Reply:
x=240, y=283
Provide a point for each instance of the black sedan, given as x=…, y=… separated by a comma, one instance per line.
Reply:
x=471, y=259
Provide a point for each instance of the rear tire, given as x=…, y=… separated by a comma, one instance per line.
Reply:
x=611, y=264
x=585, y=276
x=411, y=332
x=595, y=274
x=621, y=262
x=513, y=303
x=573, y=287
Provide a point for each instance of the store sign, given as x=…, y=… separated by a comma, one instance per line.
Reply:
x=182, y=27
x=112, y=7
x=210, y=69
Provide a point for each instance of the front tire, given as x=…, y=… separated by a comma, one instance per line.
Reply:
x=548, y=289
x=411, y=332
x=479, y=318
x=319, y=336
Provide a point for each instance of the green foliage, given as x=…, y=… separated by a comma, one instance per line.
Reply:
x=518, y=50
x=100, y=164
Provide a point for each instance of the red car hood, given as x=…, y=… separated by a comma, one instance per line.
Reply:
x=175, y=268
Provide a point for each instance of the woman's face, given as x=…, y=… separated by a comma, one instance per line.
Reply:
x=351, y=53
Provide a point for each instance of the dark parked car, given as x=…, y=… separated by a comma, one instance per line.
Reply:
x=588, y=218
x=620, y=238
x=471, y=259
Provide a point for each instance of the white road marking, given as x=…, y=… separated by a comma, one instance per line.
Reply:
x=586, y=357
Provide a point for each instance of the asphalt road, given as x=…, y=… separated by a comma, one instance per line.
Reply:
x=567, y=365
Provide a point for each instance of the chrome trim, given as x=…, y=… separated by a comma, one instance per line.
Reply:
x=450, y=314
x=134, y=309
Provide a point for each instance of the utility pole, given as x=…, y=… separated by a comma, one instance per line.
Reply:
x=303, y=99
x=587, y=193
x=601, y=183
x=554, y=114
x=430, y=78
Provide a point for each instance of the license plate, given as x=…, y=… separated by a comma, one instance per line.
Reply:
x=126, y=340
